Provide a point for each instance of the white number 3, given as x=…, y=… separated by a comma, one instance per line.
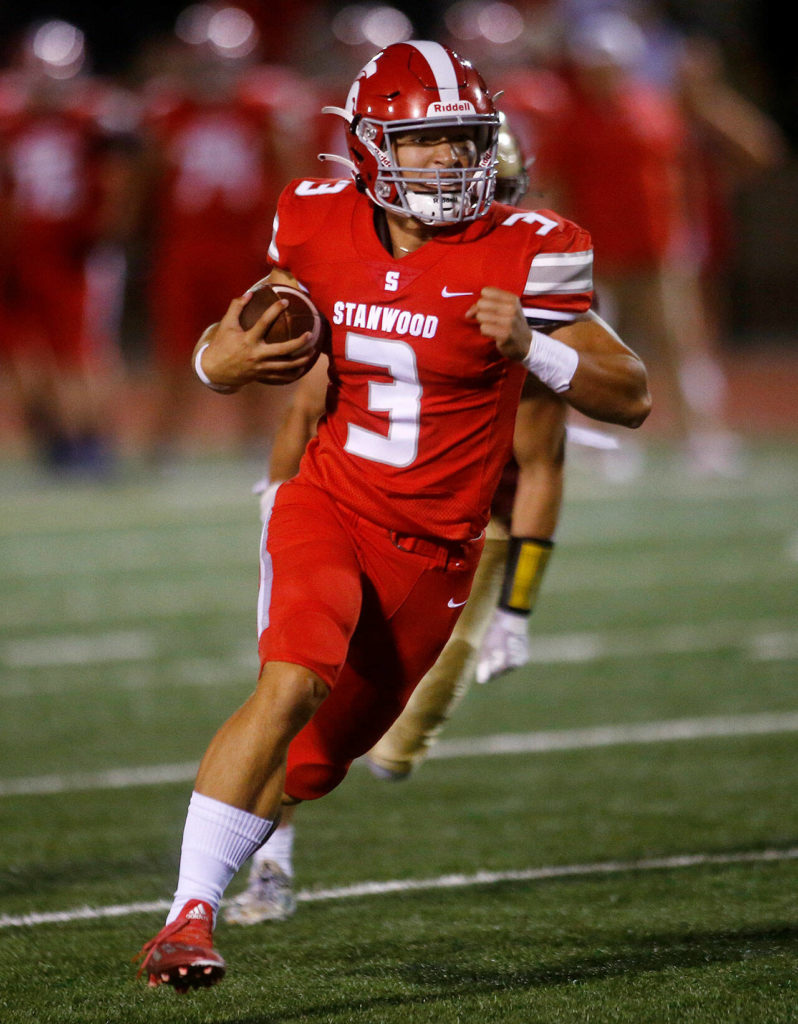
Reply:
x=401, y=399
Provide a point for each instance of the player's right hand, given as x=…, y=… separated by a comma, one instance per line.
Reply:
x=506, y=645
x=500, y=316
x=236, y=357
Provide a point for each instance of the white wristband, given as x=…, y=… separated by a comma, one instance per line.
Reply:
x=551, y=361
x=223, y=389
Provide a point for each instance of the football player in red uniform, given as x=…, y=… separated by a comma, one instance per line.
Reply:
x=66, y=180
x=213, y=172
x=491, y=634
x=369, y=552
x=619, y=154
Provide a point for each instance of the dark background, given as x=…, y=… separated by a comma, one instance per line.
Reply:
x=758, y=49
x=758, y=43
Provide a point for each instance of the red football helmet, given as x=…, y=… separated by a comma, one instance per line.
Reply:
x=411, y=86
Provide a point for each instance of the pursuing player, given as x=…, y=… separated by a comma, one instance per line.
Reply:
x=369, y=552
x=491, y=634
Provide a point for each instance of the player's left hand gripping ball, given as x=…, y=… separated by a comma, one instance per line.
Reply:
x=298, y=317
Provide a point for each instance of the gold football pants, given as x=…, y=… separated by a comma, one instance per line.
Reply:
x=408, y=740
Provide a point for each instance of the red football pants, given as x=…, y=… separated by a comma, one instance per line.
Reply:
x=366, y=609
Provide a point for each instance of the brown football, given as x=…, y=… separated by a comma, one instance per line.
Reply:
x=299, y=315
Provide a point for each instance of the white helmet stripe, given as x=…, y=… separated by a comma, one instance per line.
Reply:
x=442, y=68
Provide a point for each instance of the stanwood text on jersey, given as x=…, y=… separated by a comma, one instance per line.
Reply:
x=409, y=373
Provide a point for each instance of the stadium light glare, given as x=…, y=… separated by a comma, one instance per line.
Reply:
x=232, y=32
x=500, y=23
x=376, y=24
x=60, y=47
x=385, y=25
x=462, y=19
x=192, y=23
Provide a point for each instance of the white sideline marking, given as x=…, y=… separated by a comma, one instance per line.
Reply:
x=501, y=743
x=612, y=867
x=112, y=778
x=766, y=640
x=615, y=735
x=43, y=652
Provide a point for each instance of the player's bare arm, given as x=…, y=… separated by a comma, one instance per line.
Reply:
x=609, y=382
x=539, y=450
x=232, y=357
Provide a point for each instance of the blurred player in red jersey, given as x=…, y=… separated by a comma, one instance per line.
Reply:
x=66, y=152
x=369, y=552
x=615, y=155
x=733, y=145
x=214, y=170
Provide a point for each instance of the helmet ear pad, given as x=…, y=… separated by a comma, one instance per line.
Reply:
x=411, y=86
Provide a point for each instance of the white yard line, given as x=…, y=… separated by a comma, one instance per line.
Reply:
x=390, y=887
x=20, y=567
x=50, y=651
x=502, y=743
x=767, y=639
x=618, y=735
x=92, y=551
x=112, y=778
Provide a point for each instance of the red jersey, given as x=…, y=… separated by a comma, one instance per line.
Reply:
x=52, y=168
x=218, y=174
x=421, y=406
x=621, y=165
x=59, y=201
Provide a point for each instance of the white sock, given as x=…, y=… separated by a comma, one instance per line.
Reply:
x=279, y=849
x=217, y=839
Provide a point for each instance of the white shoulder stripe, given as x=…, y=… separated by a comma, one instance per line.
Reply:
x=442, y=67
x=552, y=287
x=560, y=259
x=555, y=272
x=541, y=313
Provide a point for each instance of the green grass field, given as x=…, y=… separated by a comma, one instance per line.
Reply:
x=609, y=835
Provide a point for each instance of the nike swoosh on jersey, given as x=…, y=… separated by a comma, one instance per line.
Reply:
x=456, y=604
x=452, y=295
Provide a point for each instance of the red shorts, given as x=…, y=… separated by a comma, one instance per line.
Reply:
x=367, y=610
x=47, y=313
x=62, y=304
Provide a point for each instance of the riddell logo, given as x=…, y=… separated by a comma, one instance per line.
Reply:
x=456, y=107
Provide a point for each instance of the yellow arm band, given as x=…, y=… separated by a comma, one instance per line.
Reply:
x=527, y=558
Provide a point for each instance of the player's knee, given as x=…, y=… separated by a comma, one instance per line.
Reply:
x=311, y=781
x=294, y=694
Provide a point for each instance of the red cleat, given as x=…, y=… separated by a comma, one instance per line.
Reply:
x=182, y=953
